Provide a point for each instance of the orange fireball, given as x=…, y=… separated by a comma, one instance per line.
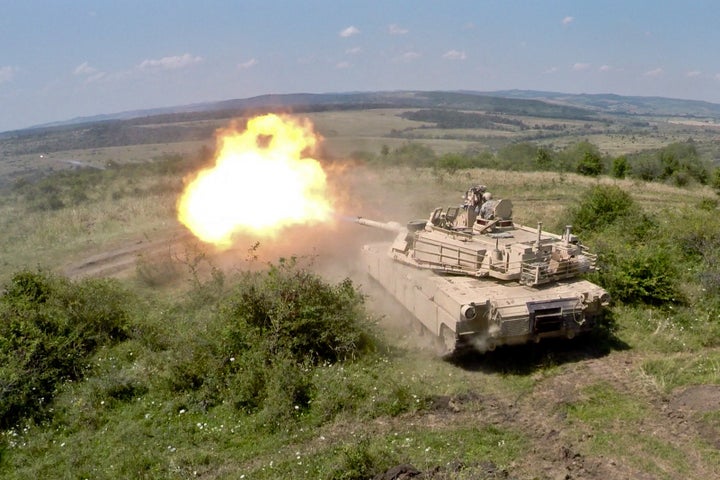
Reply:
x=264, y=179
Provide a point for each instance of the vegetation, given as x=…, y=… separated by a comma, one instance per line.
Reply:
x=183, y=369
x=48, y=329
x=278, y=350
x=678, y=163
x=455, y=119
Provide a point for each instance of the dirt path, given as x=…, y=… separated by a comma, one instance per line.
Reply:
x=560, y=449
x=122, y=260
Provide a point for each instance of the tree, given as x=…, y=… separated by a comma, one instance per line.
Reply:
x=590, y=165
x=620, y=167
x=543, y=159
x=414, y=155
x=599, y=207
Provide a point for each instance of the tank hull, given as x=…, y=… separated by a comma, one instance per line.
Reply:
x=485, y=313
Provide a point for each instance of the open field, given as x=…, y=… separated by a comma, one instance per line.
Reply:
x=639, y=399
x=347, y=132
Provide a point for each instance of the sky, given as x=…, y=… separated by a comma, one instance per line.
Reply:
x=62, y=59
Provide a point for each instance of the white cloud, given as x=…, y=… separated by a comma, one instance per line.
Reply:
x=91, y=74
x=95, y=77
x=249, y=64
x=343, y=65
x=170, y=63
x=550, y=70
x=353, y=51
x=454, y=55
x=409, y=56
x=7, y=74
x=605, y=68
x=349, y=31
x=568, y=20
x=84, y=69
x=693, y=73
x=397, y=30
x=654, y=73
x=579, y=67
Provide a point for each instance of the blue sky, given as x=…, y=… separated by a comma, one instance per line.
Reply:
x=60, y=59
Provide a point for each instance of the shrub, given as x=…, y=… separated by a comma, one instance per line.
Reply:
x=599, y=207
x=647, y=168
x=48, y=328
x=266, y=337
x=590, y=164
x=288, y=391
x=517, y=156
x=361, y=461
x=677, y=162
x=413, y=155
x=715, y=180
x=294, y=311
x=620, y=167
x=641, y=274
x=453, y=162
x=543, y=159
x=571, y=157
x=156, y=270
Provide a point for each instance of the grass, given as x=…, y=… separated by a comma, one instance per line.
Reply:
x=683, y=369
x=128, y=419
x=602, y=406
x=613, y=424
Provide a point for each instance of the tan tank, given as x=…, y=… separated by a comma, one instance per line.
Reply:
x=475, y=278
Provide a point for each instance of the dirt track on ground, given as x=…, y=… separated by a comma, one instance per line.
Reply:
x=557, y=452
x=121, y=261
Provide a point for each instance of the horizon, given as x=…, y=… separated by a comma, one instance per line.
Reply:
x=90, y=59
x=136, y=113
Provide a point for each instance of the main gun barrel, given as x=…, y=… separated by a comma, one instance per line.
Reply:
x=387, y=226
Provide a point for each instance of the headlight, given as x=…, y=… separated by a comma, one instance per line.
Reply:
x=468, y=311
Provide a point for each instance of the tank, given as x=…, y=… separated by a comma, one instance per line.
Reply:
x=475, y=279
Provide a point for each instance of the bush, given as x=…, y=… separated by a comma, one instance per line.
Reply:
x=590, y=165
x=517, y=156
x=361, y=461
x=647, y=168
x=293, y=311
x=543, y=159
x=641, y=274
x=677, y=162
x=48, y=328
x=599, y=207
x=620, y=167
x=266, y=338
x=413, y=155
x=715, y=180
x=453, y=162
x=288, y=391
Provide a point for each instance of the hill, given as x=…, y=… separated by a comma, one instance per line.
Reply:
x=303, y=102
x=619, y=104
x=172, y=370
x=521, y=102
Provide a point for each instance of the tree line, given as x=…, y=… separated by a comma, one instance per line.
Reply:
x=678, y=163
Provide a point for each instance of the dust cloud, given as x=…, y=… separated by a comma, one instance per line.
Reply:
x=332, y=249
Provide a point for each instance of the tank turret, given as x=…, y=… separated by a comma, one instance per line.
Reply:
x=475, y=278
